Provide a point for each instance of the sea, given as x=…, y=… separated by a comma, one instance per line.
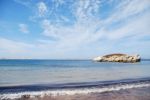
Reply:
x=59, y=77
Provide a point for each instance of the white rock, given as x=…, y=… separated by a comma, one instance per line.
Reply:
x=118, y=58
x=97, y=58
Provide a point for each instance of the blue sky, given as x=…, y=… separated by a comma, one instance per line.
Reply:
x=73, y=29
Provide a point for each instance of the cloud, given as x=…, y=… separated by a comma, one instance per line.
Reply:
x=127, y=9
x=77, y=29
x=23, y=28
x=11, y=46
x=42, y=9
x=128, y=19
x=26, y=3
x=86, y=9
x=49, y=30
x=20, y=50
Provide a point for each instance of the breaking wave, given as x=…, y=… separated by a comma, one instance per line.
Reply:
x=71, y=88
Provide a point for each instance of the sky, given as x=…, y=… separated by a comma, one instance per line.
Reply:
x=73, y=29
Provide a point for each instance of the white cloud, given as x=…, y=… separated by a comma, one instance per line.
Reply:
x=58, y=2
x=85, y=9
x=128, y=9
x=137, y=26
x=20, y=50
x=11, y=46
x=88, y=28
x=23, y=28
x=42, y=9
x=26, y=3
x=90, y=35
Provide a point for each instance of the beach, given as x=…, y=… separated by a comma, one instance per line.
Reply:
x=127, y=94
x=138, y=89
x=73, y=80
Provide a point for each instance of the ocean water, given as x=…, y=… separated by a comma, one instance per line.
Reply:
x=55, y=76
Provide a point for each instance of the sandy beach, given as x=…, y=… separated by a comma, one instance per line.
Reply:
x=128, y=94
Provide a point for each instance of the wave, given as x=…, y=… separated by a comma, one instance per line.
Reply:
x=74, y=88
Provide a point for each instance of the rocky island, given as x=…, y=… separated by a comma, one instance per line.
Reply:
x=118, y=58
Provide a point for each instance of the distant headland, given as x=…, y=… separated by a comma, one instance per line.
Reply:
x=118, y=57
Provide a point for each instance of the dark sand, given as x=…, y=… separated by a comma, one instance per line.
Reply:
x=128, y=94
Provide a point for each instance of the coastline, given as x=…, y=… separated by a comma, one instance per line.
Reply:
x=58, y=80
x=121, y=90
x=142, y=93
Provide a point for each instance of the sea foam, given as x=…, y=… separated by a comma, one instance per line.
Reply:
x=73, y=91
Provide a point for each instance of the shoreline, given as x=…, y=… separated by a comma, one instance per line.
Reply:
x=74, y=85
x=142, y=93
x=79, y=92
x=139, y=93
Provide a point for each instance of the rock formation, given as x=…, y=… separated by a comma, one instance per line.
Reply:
x=118, y=58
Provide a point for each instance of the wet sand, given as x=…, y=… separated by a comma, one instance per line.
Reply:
x=128, y=94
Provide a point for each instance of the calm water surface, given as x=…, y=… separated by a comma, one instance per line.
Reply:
x=27, y=72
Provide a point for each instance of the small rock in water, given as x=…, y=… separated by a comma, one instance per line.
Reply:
x=118, y=58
